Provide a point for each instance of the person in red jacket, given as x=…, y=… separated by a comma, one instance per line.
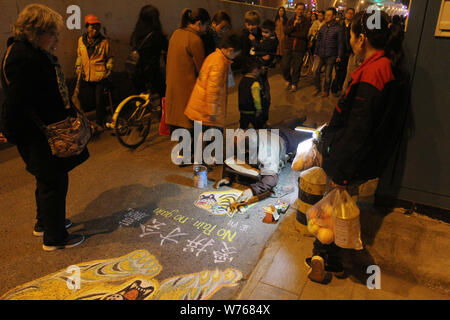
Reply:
x=366, y=126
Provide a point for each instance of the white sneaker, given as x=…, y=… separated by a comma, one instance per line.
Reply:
x=72, y=240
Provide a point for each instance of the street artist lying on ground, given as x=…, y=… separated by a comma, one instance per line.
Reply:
x=263, y=168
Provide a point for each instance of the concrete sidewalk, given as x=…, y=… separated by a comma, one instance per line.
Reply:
x=411, y=251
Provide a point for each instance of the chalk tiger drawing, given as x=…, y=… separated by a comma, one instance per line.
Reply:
x=131, y=277
x=218, y=202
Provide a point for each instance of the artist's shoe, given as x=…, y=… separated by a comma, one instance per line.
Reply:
x=316, y=93
x=39, y=230
x=287, y=85
x=71, y=241
x=293, y=88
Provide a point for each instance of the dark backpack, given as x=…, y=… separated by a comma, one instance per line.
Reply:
x=133, y=57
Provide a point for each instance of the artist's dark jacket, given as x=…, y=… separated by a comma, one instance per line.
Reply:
x=367, y=123
x=33, y=87
x=330, y=41
x=297, y=36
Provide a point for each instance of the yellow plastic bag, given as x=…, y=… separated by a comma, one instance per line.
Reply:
x=307, y=156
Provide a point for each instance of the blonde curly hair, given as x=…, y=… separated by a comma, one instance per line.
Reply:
x=35, y=20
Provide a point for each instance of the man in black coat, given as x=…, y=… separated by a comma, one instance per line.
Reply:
x=341, y=67
x=297, y=30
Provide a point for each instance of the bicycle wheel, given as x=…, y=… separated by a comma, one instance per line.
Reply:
x=307, y=65
x=133, y=123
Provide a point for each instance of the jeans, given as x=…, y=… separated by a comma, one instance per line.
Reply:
x=329, y=63
x=51, y=195
x=291, y=64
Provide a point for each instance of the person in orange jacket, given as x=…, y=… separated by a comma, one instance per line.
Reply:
x=94, y=65
x=208, y=101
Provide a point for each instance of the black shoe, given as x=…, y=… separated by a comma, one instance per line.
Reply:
x=72, y=240
x=337, y=270
x=39, y=230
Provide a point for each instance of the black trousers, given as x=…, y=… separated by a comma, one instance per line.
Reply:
x=291, y=64
x=191, y=133
x=265, y=97
x=331, y=253
x=247, y=119
x=51, y=193
x=93, y=94
x=205, y=144
x=341, y=74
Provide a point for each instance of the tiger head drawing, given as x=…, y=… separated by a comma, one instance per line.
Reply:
x=218, y=202
x=131, y=277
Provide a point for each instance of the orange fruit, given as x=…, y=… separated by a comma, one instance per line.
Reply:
x=325, y=235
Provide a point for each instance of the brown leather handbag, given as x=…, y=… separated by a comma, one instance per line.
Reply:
x=68, y=137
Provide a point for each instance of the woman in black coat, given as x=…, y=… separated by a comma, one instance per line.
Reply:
x=148, y=37
x=35, y=88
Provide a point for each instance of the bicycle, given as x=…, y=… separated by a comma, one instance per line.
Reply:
x=133, y=117
x=308, y=62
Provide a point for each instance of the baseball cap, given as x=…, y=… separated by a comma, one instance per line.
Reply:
x=91, y=19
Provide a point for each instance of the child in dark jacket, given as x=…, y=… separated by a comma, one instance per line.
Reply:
x=250, y=104
x=251, y=34
x=265, y=51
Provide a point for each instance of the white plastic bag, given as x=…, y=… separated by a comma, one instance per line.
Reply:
x=347, y=227
x=320, y=218
x=307, y=156
x=335, y=218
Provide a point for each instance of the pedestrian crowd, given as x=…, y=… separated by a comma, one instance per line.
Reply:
x=193, y=70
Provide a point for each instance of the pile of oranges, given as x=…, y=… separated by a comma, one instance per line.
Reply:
x=320, y=223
